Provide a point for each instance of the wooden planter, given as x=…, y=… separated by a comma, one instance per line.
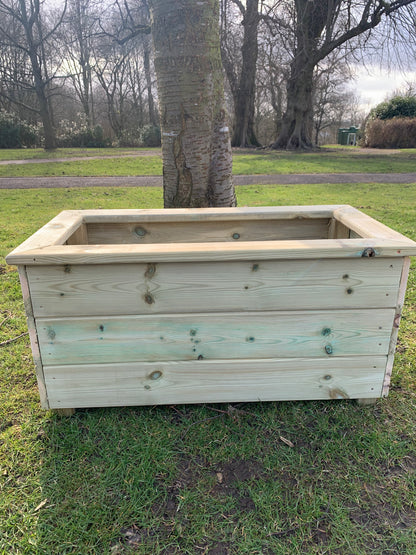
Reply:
x=141, y=307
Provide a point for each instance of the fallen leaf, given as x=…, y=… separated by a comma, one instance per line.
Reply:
x=286, y=441
x=42, y=504
x=220, y=477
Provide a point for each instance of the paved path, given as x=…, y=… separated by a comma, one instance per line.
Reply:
x=156, y=181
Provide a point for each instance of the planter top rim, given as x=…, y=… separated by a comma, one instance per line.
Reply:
x=47, y=245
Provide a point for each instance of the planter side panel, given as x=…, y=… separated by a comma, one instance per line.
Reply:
x=138, y=334
x=396, y=324
x=169, y=288
x=215, y=381
x=215, y=336
x=34, y=342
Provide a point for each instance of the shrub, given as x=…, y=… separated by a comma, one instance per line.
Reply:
x=129, y=138
x=79, y=135
x=150, y=136
x=396, y=107
x=391, y=133
x=15, y=133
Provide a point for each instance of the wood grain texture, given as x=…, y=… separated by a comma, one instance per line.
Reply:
x=37, y=359
x=365, y=226
x=396, y=325
x=204, y=232
x=79, y=237
x=55, y=232
x=215, y=336
x=86, y=290
x=215, y=381
x=47, y=246
x=337, y=230
x=211, y=214
x=201, y=252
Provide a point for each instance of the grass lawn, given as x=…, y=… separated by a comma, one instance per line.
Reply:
x=204, y=479
x=42, y=154
x=244, y=163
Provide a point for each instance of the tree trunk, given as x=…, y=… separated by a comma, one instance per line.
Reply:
x=197, y=160
x=40, y=81
x=148, y=75
x=243, y=134
x=296, y=129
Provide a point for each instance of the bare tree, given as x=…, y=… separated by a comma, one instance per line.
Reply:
x=242, y=77
x=123, y=67
x=23, y=27
x=321, y=26
x=76, y=38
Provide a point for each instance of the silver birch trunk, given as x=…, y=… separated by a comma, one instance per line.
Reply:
x=197, y=158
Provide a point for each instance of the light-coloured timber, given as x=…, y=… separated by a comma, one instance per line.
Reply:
x=81, y=290
x=34, y=343
x=215, y=336
x=224, y=381
x=133, y=307
x=200, y=252
x=337, y=230
x=396, y=325
x=48, y=245
x=211, y=214
x=79, y=237
x=206, y=232
x=55, y=232
x=365, y=226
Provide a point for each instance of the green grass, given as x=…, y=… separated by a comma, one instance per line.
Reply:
x=244, y=163
x=42, y=154
x=204, y=479
x=330, y=161
x=141, y=165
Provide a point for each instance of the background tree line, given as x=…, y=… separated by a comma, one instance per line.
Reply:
x=81, y=73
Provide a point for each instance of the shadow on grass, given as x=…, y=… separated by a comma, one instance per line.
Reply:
x=265, y=478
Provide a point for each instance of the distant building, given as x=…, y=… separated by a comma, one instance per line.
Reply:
x=348, y=136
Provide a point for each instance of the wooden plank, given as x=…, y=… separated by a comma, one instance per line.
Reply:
x=79, y=237
x=215, y=336
x=226, y=251
x=87, y=290
x=365, y=226
x=37, y=359
x=210, y=214
x=337, y=230
x=55, y=232
x=396, y=325
x=204, y=232
x=214, y=381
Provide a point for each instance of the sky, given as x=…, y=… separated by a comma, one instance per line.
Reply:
x=374, y=84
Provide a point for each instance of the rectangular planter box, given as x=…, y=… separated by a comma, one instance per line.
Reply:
x=141, y=307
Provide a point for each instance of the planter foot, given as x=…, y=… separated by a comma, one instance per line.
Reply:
x=64, y=412
x=366, y=402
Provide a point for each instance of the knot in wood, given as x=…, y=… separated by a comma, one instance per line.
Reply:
x=368, y=253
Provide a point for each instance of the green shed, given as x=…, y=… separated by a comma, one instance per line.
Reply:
x=348, y=136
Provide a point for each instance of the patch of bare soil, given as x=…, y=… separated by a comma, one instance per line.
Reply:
x=380, y=516
x=228, y=478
